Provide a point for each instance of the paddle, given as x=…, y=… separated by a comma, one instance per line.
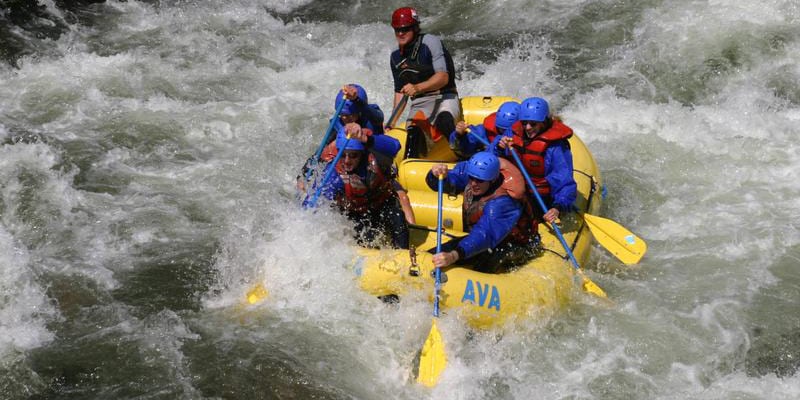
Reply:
x=313, y=202
x=324, y=142
x=396, y=113
x=588, y=285
x=615, y=238
x=257, y=293
x=433, y=359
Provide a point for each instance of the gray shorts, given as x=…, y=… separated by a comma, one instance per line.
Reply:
x=433, y=105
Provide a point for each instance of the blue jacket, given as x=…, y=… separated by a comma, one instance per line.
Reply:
x=466, y=145
x=499, y=217
x=370, y=116
x=382, y=147
x=558, y=172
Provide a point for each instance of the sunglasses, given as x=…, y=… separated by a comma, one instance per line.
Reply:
x=351, y=155
x=531, y=123
x=404, y=29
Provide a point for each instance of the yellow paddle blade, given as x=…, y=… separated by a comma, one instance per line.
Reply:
x=590, y=287
x=619, y=241
x=257, y=294
x=433, y=359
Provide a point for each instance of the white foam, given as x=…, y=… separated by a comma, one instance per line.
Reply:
x=25, y=308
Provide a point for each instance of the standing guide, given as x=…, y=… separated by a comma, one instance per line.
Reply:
x=423, y=71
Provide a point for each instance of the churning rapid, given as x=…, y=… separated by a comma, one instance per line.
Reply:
x=147, y=162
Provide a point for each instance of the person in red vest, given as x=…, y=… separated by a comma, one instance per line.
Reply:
x=356, y=115
x=363, y=186
x=464, y=144
x=546, y=155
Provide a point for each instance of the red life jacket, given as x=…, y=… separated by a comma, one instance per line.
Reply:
x=360, y=196
x=330, y=150
x=513, y=186
x=532, y=152
x=490, y=124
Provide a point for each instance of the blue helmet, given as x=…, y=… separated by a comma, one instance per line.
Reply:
x=534, y=109
x=353, y=144
x=484, y=165
x=507, y=115
x=350, y=107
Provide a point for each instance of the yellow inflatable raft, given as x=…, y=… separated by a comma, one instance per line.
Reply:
x=484, y=300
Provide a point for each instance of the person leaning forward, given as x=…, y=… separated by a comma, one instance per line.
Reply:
x=356, y=115
x=423, y=70
x=496, y=214
x=362, y=187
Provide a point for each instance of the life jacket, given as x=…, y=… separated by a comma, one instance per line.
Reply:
x=361, y=195
x=513, y=185
x=531, y=152
x=490, y=124
x=413, y=70
x=330, y=150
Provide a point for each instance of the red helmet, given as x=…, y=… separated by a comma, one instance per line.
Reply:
x=404, y=16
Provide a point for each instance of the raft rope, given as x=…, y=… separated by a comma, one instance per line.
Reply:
x=582, y=225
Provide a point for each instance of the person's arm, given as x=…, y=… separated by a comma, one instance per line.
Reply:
x=405, y=202
x=440, y=76
x=374, y=115
x=454, y=182
x=499, y=218
x=435, y=82
x=559, y=175
x=465, y=144
x=395, y=59
x=384, y=147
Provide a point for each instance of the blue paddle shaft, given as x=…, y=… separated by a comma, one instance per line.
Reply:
x=437, y=271
x=330, y=129
x=324, y=142
x=313, y=202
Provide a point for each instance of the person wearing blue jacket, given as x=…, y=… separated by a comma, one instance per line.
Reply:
x=356, y=109
x=362, y=187
x=356, y=114
x=495, y=213
x=544, y=150
x=463, y=140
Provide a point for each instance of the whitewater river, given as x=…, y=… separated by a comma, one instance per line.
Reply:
x=147, y=157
